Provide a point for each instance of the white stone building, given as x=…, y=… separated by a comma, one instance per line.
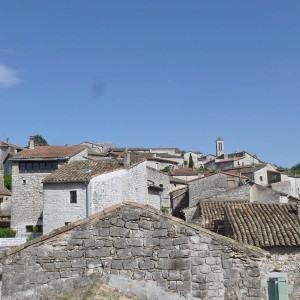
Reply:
x=82, y=188
x=30, y=167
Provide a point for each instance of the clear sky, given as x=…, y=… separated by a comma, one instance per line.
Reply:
x=159, y=73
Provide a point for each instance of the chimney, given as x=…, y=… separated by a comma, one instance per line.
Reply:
x=31, y=143
x=126, y=159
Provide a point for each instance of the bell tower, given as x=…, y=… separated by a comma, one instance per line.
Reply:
x=219, y=146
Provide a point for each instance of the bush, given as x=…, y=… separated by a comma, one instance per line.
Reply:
x=7, y=233
x=7, y=181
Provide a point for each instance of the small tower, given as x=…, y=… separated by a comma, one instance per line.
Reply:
x=219, y=146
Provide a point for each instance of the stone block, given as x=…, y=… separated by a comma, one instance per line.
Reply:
x=185, y=275
x=62, y=264
x=119, y=232
x=136, y=242
x=151, y=242
x=180, y=240
x=130, y=264
x=165, y=242
x=117, y=264
x=147, y=264
x=174, y=275
x=79, y=263
x=145, y=224
x=163, y=253
x=179, y=253
x=75, y=253
x=166, y=264
x=160, y=233
x=131, y=216
x=102, y=252
x=60, y=254
x=120, y=243
x=183, y=285
x=132, y=225
x=182, y=264
x=172, y=285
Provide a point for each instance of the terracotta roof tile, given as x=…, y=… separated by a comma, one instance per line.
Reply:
x=84, y=170
x=50, y=152
x=264, y=225
x=213, y=213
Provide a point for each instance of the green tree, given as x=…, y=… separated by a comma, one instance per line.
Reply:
x=7, y=181
x=39, y=140
x=191, y=162
x=296, y=168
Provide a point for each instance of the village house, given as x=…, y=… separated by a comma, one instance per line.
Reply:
x=7, y=150
x=263, y=174
x=289, y=184
x=81, y=188
x=230, y=160
x=29, y=168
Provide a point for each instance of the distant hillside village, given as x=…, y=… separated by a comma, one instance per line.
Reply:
x=230, y=201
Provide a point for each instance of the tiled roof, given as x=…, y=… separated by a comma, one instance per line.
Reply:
x=264, y=225
x=246, y=169
x=213, y=213
x=49, y=152
x=84, y=170
x=187, y=172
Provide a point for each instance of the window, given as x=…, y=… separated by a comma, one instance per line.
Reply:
x=67, y=223
x=260, y=178
x=73, y=196
x=277, y=288
x=37, y=166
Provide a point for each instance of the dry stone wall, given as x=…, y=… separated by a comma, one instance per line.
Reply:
x=139, y=249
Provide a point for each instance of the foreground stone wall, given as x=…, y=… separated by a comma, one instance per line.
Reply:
x=139, y=249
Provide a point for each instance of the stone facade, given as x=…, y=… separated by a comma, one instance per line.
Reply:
x=162, y=180
x=264, y=194
x=27, y=196
x=102, y=191
x=139, y=249
x=210, y=186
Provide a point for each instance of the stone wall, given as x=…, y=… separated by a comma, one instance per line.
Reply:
x=57, y=209
x=264, y=195
x=210, y=186
x=27, y=199
x=179, y=200
x=158, y=257
x=160, y=178
x=241, y=193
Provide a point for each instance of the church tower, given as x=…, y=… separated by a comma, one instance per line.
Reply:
x=219, y=146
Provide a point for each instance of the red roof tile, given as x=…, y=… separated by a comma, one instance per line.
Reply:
x=50, y=152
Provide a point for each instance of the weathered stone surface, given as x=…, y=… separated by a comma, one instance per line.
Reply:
x=133, y=245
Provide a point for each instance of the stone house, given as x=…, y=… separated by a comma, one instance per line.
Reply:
x=29, y=168
x=7, y=150
x=289, y=184
x=263, y=174
x=141, y=250
x=196, y=157
x=232, y=160
x=81, y=188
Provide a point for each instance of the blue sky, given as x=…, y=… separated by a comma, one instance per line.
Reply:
x=164, y=73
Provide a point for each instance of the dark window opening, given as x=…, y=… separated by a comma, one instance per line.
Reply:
x=73, y=196
x=37, y=166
